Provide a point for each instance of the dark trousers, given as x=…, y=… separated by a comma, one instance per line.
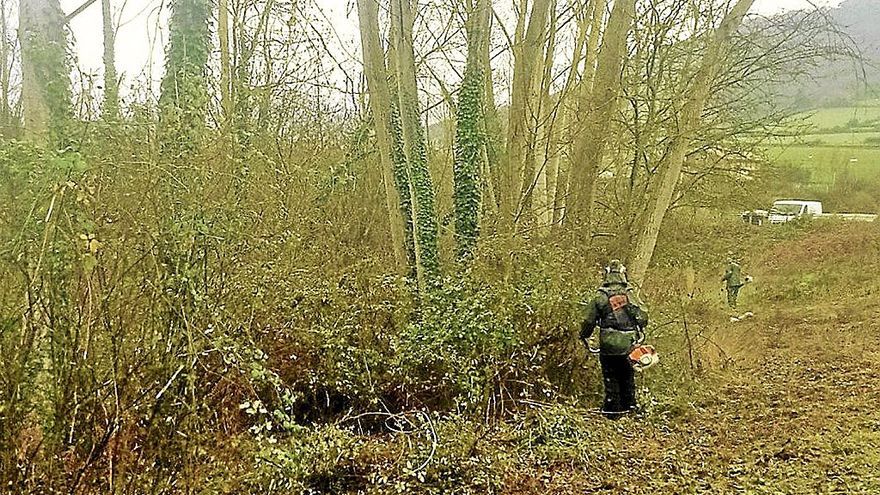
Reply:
x=732, y=294
x=620, y=386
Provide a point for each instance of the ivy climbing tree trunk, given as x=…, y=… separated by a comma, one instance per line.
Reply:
x=415, y=146
x=110, y=108
x=596, y=109
x=470, y=132
x=402, y=181
x=689, y=121
x=184, y=94
x=45, y=83
x=380, y=106
x=400, y=167
x=521, y=130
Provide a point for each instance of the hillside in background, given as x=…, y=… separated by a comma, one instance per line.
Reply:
x=843, y=81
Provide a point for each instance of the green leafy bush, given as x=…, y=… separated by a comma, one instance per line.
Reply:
x=450, y=354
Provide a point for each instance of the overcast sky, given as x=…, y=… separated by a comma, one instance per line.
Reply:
x=141, y=38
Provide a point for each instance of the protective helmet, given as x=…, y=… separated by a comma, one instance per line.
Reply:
x=615, y=273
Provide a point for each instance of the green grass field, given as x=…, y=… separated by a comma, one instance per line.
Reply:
x=830, y=118
x=859, y=139
x=843, y=142
x=827, y=162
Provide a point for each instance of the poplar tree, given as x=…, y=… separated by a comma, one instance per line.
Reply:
x=598, y=102
x=527, y=54
x=387, y=125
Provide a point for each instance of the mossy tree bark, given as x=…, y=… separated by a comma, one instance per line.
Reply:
x=415, y=147
x=184, y=94
x=45, y=84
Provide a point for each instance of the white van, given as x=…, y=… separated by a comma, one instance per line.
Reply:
x=789, y=209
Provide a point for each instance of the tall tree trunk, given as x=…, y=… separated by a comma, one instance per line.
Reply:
x=491, y=178
x=399, y=163
x=545, y=180
x=415, y=147
x=45, y=83
x=111, y=84
x=225, y=69
x=689, y=121
x=184, y=95
x=5, y=68
x=470, y=132
x=380, y=106
x=521, y=132
x=597, y=108
x=590, y=31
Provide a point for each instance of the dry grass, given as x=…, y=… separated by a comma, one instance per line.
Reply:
x=795, y=412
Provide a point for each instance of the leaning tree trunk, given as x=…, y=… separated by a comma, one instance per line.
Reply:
x=689, y=121
x=596, y=108
x=45, y=82
x=380, y=106
x=415, y=147
x=470, y=133
x=399, y=163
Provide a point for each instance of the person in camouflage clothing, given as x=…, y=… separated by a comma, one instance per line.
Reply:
x=734, y=280
x=615, y=311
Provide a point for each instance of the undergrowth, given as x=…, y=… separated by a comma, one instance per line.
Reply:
x=149, y=339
